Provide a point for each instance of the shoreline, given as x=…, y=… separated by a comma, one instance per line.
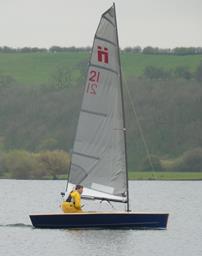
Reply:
x=167, y=176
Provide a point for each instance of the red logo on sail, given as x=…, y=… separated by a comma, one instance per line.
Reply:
x=103, y=54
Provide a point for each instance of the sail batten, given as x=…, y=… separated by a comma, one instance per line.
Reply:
x=105, y=68
x=105, y=40
x=104, y=17
x=93, y=113
x=85, y=155
x=98, y=159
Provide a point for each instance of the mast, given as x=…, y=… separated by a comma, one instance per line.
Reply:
x=123, y=111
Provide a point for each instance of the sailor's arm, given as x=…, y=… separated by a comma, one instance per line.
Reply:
x=77, y=201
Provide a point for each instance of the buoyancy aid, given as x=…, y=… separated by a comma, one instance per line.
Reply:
x=69, y=199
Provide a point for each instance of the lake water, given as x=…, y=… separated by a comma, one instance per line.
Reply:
x=182, y=199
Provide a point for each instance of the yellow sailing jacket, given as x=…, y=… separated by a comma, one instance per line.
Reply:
x=76, y=199
x=74, y=205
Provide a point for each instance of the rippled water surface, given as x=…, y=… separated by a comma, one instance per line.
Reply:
x=182, y=199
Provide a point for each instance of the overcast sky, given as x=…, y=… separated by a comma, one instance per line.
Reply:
x=44, y=23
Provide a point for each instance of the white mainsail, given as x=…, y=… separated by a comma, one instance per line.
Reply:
x=98, y=158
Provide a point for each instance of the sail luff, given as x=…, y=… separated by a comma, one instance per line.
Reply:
x=123, y=112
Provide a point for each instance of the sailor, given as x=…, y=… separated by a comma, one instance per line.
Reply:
x=73, y=202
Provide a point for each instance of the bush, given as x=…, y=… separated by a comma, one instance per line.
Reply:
x=183, y=72
x=54, y=162
x=48, y=144
x=21, y=164
x=1, y=164
x=190, y=161
x=6, y=81
x=152, y=163
x=199, y=72
x=156, y=73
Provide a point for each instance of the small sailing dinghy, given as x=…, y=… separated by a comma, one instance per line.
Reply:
x=99, y=157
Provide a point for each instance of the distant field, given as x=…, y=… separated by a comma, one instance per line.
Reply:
x=37, y=68
x=165, y=175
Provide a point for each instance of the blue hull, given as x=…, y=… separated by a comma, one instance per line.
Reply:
x=101, y=220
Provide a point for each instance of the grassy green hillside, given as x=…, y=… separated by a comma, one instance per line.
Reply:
x=134, y=64
x=38, y=68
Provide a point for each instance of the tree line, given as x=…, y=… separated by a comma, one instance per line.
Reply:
x=189, y=161
x=44, y=118
x=168, y=51
x=184, y=72
x=22, y=164
x=137, y=49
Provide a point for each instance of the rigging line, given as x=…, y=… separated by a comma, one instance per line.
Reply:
x=108, y=203
x=140, y=128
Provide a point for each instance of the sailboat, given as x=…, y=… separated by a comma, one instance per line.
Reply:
x=99, y=156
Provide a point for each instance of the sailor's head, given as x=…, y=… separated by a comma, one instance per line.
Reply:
x=79, y=188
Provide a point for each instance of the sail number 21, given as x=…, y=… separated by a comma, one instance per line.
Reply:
x=92, y=85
